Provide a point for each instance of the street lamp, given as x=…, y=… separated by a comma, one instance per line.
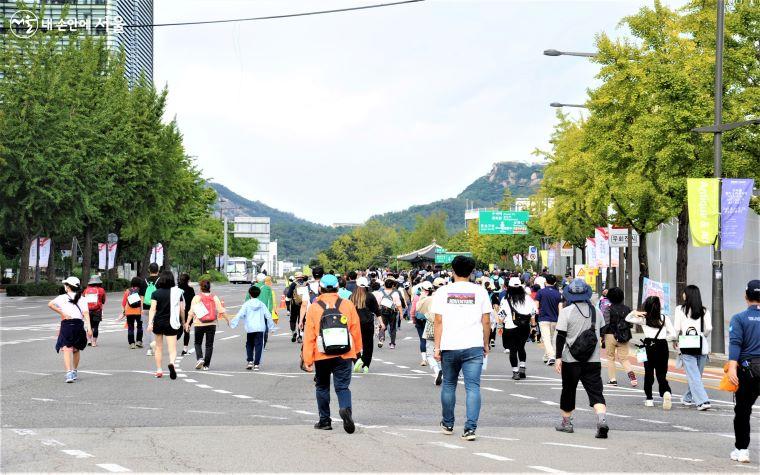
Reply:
x=560, y=104
x=554, y=52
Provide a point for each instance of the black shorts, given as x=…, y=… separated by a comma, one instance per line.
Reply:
x=163, y=327
x=590, y=375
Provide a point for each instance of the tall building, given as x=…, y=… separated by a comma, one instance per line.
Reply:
x=96, y=17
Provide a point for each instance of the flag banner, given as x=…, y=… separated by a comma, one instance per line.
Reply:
x=157, y=254
x=734, y=206
x=704, y=210
x=550, y=259
x=602, y=240
x=102, y=256
x=591, y=252
x=544, y=257
x=44, y=253
x=652, y=288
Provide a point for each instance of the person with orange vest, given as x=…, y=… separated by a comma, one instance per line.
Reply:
x=332, y=340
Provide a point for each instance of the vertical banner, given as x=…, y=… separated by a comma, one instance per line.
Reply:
x=704, y=210
x=102, y=256
x=734, y=206
x=532, y=253
x=157, y=254
x=652, y=288
x=44, y=252
x=591, y=252
x=544, y=257
x=515, y=261
x=602, y=240
x=550, y=258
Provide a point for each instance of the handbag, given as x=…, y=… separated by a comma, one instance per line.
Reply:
x=725, y=384
x=641, y=355
x=428, y=333
x=690, y=343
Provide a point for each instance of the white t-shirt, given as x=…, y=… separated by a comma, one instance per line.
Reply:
x=393, y=302
x=540, y=281
x=461, y=306
x=528, y=307
x=64, y=303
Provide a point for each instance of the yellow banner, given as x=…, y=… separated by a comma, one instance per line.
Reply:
x=704, y=209
x=544, y=258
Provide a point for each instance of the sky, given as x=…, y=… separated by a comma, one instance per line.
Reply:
x=339, y=117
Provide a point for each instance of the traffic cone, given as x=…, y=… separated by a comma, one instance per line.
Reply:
x=282, y=302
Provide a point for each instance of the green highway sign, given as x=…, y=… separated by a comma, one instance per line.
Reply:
x=503, y=222
x=443, y=257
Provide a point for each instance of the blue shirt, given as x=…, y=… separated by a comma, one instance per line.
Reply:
x=548, y=304
x=344, y=293
x=255, y=315
x=744, y=335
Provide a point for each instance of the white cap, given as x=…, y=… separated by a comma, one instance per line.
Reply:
x=514, y=282
x=261, y=277
x=72, y=281
x=426, y=285
x=362, y=282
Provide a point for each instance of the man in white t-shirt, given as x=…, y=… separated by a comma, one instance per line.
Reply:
x=462, y=330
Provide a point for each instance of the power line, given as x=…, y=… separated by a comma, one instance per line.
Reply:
x=275, y=17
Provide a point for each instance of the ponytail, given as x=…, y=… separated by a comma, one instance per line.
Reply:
x=77, y=294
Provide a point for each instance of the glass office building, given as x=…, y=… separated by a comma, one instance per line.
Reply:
x=109, y=18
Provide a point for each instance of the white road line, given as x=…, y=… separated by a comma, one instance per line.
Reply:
x=181, y=375
x=541, y=468
x=687, y=429
x=140, y=408
x=306, y=413
x=746, y=465
x=377, y=359
x=522, y=396
x=685, y=459
x=278, y=406
x=617, y=415
x=497, y=438
x=492, y=389
x=241, y=396
x=550, y=403
x=393, y=433
x=95, y=372
x=445, y=445
x=203, y=386
x=424, y=430
x=112, y=467
x=574, y=446
x=222, y=391
x=217, y=374
x=42, y=399
x=32, y=372
x=498, y=458
x=419, y=371
x=77, y=453
x=402, y=367
x=26, y=308
x=52, y=443
x=207, y=412
x=229, y=337
x=388, y=362
x=652, y=421
x=13, y=316
x=188, y=380
x=398, y=376
x=270, y=417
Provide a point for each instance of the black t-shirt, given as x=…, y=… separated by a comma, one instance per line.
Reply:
x=371, y=309
x=144, y=287
x=163, y=304
x=189, y=294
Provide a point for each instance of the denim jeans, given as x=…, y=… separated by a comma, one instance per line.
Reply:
x=470, y=363
x=340, y=370
x=254, y=341
x=420, y=325
x=694, y=365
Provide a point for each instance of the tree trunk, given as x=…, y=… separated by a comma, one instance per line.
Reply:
x=682, y=253
x=51, y=263
x=143, y=271
x=23, y=271
x=87, y=252
x=167, y=256
x=643, y=264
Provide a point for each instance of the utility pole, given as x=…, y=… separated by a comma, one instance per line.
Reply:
x=37, y=261
x=718, y=335
x=629, y=271
x=224, y=257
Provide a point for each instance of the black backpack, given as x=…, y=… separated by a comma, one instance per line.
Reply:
x=519, y=319
x=387, y=311
x=621, y=329
x=585, y=343
x=334, y=336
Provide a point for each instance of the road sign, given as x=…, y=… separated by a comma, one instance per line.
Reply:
x=443, y=257
x=619, y=237
x=113, y=238
x=503, y=222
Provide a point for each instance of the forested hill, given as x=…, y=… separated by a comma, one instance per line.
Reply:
x=297, y=238
x=522, y=180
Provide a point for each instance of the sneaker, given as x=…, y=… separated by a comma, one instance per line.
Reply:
x=75, y=374
x=667, y=401
x=172, y=371
x=704, y=406
x=69, y=377
x=601, y=430
x=249, y=366
x=632, y=378
x=89, y=343
x=255, y=368
x=184, y=352
x=687, y=403
x=365, y=370
x=565, y=426
x=323, y=425
x=612, y=382
x=131, y=346
x=551, y=362
x=153, y=345
x=199, y=364
x=358, y=366
x=293, y=338
x=439, y=378
x=423, y=363
x=392, y=346
x=469, y=434
x=522, y=373
x=348, y=421
x=299, y=339
x=379, y=344
x=448, y=430
x=740, y=455
x=139, y=344
x=159, y=374
x=516, y=375
x=149, y=352
x=205, y=368
x=506, y=350
x=649, y=403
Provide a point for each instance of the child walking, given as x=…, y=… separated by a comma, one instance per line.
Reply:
x=257, y=320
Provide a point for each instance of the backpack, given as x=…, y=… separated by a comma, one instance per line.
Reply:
x=133, y=298
x=149, y=292
x=92, y=306
x=334, y=337
x=385, y=310
x=621, y=329
x=208, y=302
x=585, y=343
x=519, y=319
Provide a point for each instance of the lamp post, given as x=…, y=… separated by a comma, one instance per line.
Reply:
x=554, y=52
x=560, y=104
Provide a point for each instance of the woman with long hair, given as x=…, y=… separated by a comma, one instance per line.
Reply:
x=515, y=312
x=369, y=312
x=75, y=317
x=188, y=295
x=694, y=320
x=657, y=331
x=165, y=318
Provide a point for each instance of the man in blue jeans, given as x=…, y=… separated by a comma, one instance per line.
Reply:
x=462, y=330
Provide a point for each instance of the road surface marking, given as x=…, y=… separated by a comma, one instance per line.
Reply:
x=687, y=429
x=541, y=468
x=52, y=443
x=217, y=374
x=229, y=337
x=652, y=421
x=42, y=399
x=77, y=453
x=278, y=406
x=241, y=396
x=13, y=316
x=222, y=391
x=497, y=438
x=181, y=375
x=492, y=389
x=424, y=430
x=26, y=308
x=419, y=371
x=522, y=396
x=402, y=367
x=498, y=458
x=112, y=467
x=445, y=445
x=306, y=413
x=388, y=362
x=207, y=412
x=399, y=376
x=550, y=403
x=188, y=380
x=24, y=432
x=574, y=446
x=617, y=415
x=203, y=386
x=685, y=459
x=370, y=427
x=269, y=417
x=377, y=359
x=143, y=408
x=95, y=372
x=394, y=433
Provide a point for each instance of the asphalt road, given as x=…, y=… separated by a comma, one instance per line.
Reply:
x=118, y=417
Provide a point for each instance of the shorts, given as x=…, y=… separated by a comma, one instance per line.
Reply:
x=589, y=375
x=71, y=336
x=163, y=327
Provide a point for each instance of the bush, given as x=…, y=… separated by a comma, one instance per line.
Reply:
x=32, y=289
x=115, y=285
x=213, y=275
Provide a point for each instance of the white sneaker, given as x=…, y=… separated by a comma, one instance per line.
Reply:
x=649, y=403
x=740, y=455
x=704, y=406
x=153, y=345
x=149, y=353
x=667, y=401
x=199, y=364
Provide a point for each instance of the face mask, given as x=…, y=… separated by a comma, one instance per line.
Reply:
x=71, y=294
